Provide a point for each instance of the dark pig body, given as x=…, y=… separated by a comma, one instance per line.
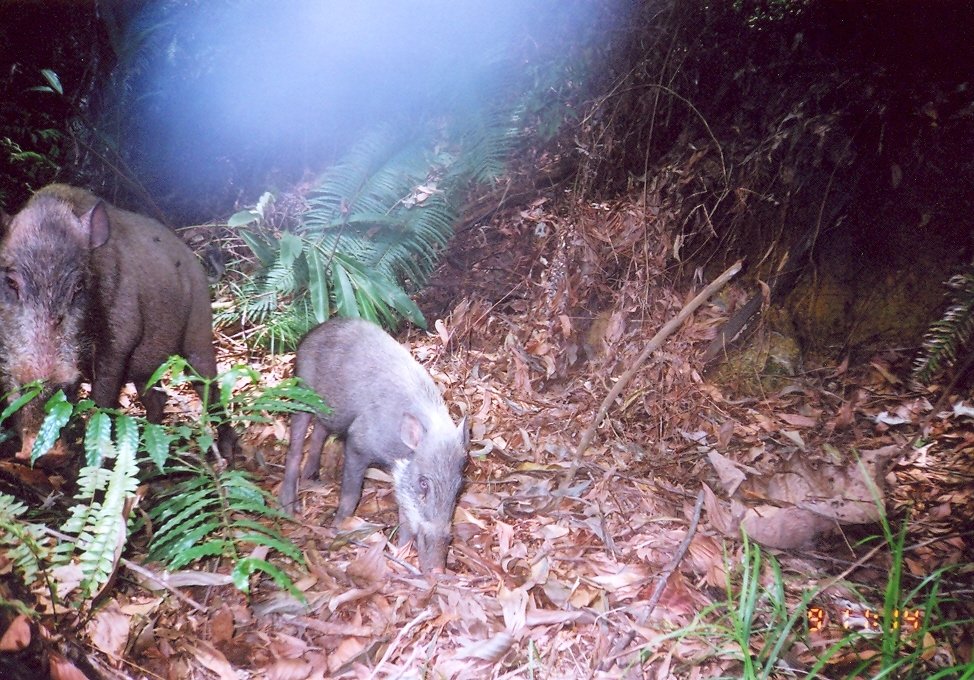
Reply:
x=391, y=415
x=91, y=290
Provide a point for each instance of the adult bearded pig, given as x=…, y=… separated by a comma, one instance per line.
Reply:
x=89, y=290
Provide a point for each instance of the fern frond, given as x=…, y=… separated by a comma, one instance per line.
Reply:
x=24, y=544
x=201, y=516
x=953, y=331
x=380, y=218
x=100, y=527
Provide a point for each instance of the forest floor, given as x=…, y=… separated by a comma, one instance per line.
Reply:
x=532, y=318
x=534, y=314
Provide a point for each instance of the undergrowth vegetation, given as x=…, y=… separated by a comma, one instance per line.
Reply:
x=372, y=231
x=200, y=511
x=759, y=632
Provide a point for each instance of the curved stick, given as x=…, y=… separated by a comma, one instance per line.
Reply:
x=651, y=347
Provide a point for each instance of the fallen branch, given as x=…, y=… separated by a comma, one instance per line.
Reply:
x=620, y=647
x=651, y=347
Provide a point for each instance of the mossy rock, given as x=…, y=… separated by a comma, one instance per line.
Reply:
x=769, y=360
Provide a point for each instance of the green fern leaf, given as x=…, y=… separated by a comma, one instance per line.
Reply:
x=265, y=247
x=157, y=443
x=245, y=568
x=213, y=548
x=318, y=284
x=28, y=392
x=98, y=439
x=105, y=532
x=263, y=536
x=344, y=292
x=953, y=331
x=58, y=413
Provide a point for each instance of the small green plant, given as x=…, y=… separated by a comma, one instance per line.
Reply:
x=753, y=625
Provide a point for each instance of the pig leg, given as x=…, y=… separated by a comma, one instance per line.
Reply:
x=107, y=384
x=318, y=436
x=154, y=400
x=353, y=476
x=292, y=464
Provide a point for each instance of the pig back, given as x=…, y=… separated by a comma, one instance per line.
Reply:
x=149, y=289
x=362, y=374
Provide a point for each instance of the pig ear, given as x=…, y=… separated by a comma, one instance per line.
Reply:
x=464, y=433
x=411, y=430
x=97, y=222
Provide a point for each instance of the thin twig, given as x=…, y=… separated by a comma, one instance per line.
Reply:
x=155, y=578
x=423, y=616
x=653, y=345
x=668, y=570
x=661, y=579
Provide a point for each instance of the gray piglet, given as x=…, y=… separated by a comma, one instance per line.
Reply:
x=387, y=409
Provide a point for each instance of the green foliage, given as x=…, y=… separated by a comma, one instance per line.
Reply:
x=98, y=520
x=952, y=332
x=30, y=155
x=25, y=544
x=375, y=226
x=58, y=411
x=212, y=514
x=205, y=513
x=375, y=221
x=753, y=627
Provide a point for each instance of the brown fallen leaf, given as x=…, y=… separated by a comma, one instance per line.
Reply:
x=492, y=649
x=797, y=420
x=730, y=473
x=783, y=528
x=211, y=658
x=17, y=636
x=288, y=669
x=109, y=630
x=221, y=625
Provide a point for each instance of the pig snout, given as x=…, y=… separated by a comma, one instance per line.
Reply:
x=36, y=352
x=38, y=347
x=426, y=503
x=432, y=544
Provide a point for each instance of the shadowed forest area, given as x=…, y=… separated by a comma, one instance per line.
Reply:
x=694, y=278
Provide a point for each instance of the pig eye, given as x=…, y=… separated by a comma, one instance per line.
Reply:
x=12, y=284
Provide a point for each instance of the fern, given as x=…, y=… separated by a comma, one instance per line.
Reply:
x=375, y=226
x=208, y=515
x=24, y=544
x=100, y=526
x=211, y=513
x=97, y=527
x=951, y=332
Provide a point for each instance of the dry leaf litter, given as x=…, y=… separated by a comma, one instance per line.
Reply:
x=533, y=315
